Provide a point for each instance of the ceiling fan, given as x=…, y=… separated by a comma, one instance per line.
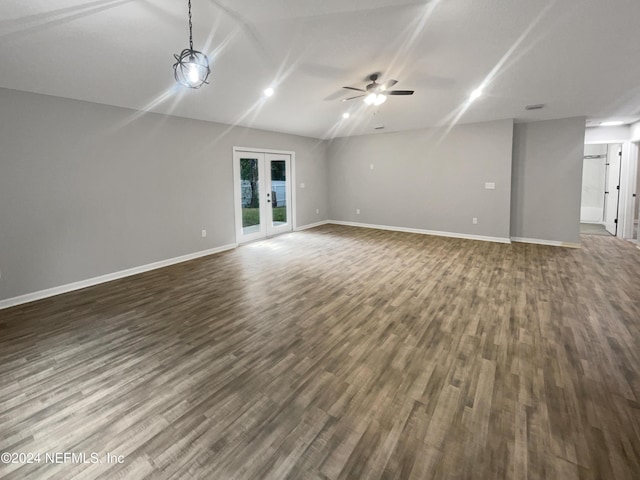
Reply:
x=376, y=93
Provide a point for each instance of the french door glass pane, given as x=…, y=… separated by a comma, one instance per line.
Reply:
x=250, y=191
x=279, y=192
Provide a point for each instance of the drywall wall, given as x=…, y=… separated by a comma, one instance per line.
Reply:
x=594, y=168
x=88, y=189
x=634, y=134
x=547, y=180
x=432, y=179
x=617, y=134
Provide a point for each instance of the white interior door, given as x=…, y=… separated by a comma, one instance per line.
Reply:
x=262, y=190
x=612, y=189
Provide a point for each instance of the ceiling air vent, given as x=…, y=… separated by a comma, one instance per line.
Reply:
x=537, y=106
x=381, y=127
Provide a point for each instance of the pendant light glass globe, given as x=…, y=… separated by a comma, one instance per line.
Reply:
x=191, y=68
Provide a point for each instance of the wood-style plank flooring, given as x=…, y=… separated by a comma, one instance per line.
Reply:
x=337, y=353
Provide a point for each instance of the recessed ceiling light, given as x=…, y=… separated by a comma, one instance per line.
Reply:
x=268, y=92
x=475, y=94
x=611, y=124
x=346, y=115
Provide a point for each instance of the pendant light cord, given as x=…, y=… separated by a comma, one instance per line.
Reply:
x=190, y=29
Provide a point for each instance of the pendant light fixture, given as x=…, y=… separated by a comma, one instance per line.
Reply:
x=192, y=67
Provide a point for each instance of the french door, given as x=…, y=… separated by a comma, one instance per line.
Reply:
x=263, y=202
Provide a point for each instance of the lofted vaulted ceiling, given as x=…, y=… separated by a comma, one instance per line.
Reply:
x=578, y=57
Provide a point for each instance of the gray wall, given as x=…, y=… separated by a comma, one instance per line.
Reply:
x=425, y=179
x=547, y=174
x=88, y=189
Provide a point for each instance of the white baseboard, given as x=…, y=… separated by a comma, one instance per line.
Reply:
x=311, y=225
x=70, y=287
x=424, y=232
x=538, y=241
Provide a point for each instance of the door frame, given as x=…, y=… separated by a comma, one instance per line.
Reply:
x=237, y=211
x=624, y=220
x=608, y=190
x=633, y=188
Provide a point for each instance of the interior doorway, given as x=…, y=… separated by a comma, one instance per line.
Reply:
x=600, y=201
x=263, y=200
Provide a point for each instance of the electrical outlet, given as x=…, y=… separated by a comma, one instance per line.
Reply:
x=204, y=233
x=317, y=211
x=371, y=166
x=490, y=186
x=302, y=185
x=475, y=220
x=357, y=211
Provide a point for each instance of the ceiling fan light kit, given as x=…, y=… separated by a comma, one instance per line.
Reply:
x=376, y=93
x=375, y=99
x=192, y=67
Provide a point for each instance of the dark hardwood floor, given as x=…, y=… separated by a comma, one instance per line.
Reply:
x=336, y=353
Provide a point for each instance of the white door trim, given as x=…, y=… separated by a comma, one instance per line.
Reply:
x=628, y=188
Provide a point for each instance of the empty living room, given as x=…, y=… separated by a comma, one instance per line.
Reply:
x=319, y=240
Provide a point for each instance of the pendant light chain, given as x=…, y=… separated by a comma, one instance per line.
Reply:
x=190, y=28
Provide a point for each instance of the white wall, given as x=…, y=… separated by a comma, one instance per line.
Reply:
x=547, y=180
x=88, y=189
x=619, y=134
x=425, y=179
x=634, y=134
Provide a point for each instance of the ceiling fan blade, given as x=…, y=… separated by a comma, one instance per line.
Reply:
x=389, y=83
x=399, y=92
x=354, y=88
x=351, y=98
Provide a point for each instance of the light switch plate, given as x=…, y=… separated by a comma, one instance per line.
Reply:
x=490, y=186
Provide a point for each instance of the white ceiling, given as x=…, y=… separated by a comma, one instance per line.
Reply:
x=578, y=57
